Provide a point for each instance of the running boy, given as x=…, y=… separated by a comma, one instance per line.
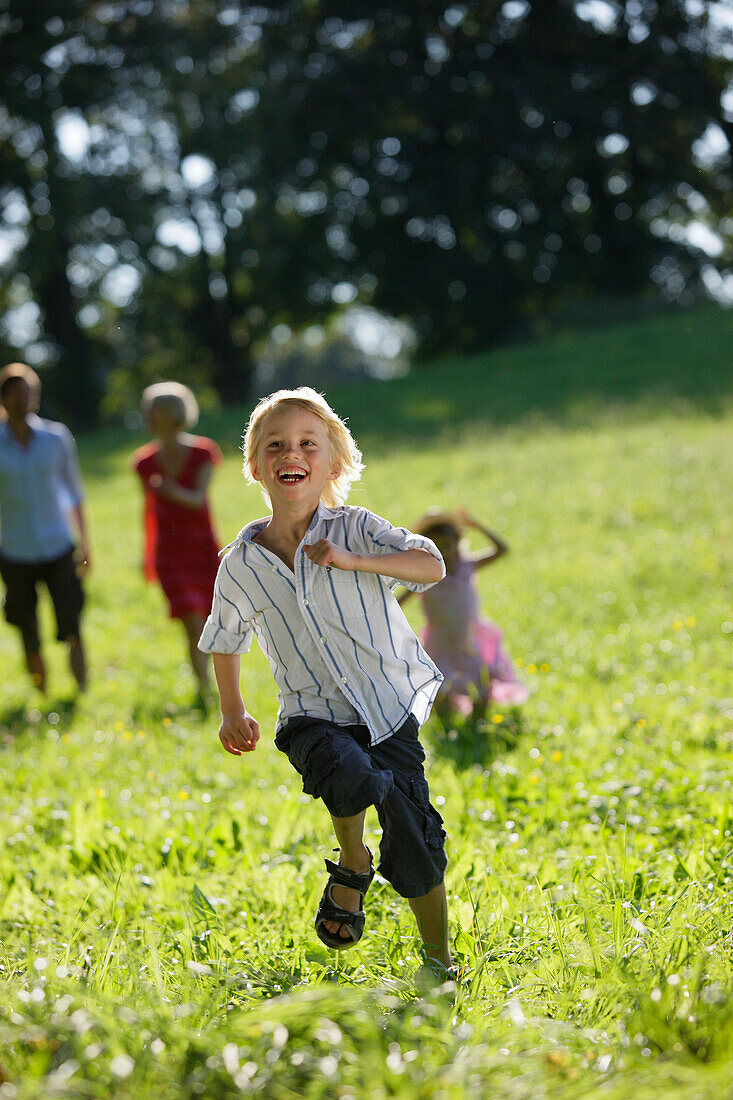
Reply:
x=314, y=582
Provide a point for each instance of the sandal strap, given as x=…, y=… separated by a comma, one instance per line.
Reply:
x=341, y=876
x=327, y=910
x=352, y=922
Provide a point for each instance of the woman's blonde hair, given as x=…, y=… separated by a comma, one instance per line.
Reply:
x=344, y=452
x=175, y=398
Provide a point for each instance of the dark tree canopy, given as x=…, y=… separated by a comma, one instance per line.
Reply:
x=469, y=168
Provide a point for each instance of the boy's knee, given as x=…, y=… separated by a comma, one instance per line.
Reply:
x=343, y=776
x=345, y=794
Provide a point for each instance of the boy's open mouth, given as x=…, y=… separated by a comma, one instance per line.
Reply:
x=291, y=475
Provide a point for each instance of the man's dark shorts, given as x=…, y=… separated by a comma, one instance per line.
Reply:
x=341, y=766
x=21, y=598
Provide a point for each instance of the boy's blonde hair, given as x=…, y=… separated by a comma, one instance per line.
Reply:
x=175, y=398
x=344, y=452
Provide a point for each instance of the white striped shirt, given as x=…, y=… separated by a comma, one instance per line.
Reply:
x=337, y=642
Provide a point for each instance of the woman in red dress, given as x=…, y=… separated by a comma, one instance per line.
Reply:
x=180, y=546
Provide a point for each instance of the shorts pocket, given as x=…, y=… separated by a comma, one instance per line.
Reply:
x=433, y=822
x=313, y=759
x=434, y=831
x=420, y=790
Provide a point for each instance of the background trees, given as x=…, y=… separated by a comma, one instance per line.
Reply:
x=180, y=177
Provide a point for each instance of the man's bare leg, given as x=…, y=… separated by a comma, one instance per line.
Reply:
x=355, y=857
x=78, y=662
x=37, y=668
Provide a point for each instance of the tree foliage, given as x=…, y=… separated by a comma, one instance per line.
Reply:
x=179, y=177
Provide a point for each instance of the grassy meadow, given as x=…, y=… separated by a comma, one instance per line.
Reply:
x=157, y=896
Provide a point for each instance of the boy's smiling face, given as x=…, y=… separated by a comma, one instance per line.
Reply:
x=294, y=457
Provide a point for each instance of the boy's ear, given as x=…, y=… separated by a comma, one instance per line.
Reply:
x=335, y=471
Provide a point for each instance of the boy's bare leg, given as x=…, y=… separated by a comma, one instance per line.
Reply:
x=355, y=857
x=431, y=915
x=78, y=661
x=37, y=668
x=193, y=624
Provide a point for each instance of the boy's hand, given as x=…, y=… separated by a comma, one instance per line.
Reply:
x=239, y=733
x=327, y=554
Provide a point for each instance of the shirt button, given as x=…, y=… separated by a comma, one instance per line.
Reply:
x=323, y=640
x=343, y=680
x=305, y=602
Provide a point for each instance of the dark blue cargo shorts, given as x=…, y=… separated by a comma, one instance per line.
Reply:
x=340, y=765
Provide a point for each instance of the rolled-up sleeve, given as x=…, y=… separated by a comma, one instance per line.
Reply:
x=381, y=537
x=227, y=629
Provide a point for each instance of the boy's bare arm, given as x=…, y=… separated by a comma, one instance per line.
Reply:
x=238, y=732
x=417, y=566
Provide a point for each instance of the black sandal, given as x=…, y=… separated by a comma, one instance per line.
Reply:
x=329, y=911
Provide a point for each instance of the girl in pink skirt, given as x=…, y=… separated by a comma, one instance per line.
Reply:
x=466, y=648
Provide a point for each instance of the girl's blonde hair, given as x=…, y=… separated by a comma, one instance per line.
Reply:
x=344, y=452
x=175, y=398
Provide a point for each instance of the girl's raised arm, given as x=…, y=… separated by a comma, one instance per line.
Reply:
x=484, y=557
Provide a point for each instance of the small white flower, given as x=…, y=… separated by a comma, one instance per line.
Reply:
x=199, y=968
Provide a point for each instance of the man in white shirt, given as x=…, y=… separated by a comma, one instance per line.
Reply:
x=40, y=488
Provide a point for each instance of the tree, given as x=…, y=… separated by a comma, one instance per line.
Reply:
x=66, y=60
x=485, y=163
x=469, y=168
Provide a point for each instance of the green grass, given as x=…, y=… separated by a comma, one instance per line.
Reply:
x=156, y=896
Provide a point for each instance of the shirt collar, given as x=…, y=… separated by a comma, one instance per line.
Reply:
x=249, y=531
x=33, y=421
x=329, y=513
